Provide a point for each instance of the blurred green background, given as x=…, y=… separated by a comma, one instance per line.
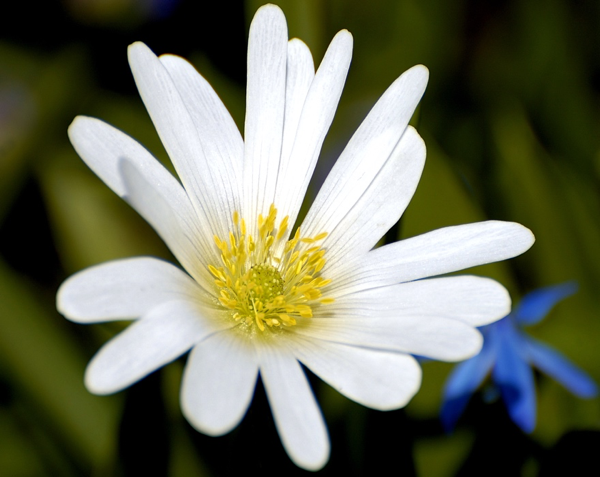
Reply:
x=511, y=119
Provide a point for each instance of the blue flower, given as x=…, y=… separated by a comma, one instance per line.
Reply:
x=509, y=354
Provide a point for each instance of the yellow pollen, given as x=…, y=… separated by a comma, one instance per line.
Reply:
x=266, y=282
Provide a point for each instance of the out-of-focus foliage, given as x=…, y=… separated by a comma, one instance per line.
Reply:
x=510, y=118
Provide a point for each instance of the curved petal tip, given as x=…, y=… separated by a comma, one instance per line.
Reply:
x=523, y=236
x=269, y=10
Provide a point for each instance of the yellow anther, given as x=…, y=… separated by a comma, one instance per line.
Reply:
x=319, y=265
x=262, y=288
x=282, y=227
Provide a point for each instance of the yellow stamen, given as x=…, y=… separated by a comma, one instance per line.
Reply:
x=267, y=283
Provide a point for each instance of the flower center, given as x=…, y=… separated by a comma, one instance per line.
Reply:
x=268, y=282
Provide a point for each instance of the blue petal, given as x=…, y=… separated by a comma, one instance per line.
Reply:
x=559, y=367
x=535, y=305
x=462, y=382
x=514, y=377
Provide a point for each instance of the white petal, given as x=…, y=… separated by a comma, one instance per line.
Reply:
x=123, y=289
x=432, y=336
x=317, y=114
x=221, y=140
x=164, y=334
x=473, y=300
x=299, y=76
x=207, y=189
x=265, y=106
x=380, y=205
x=367, y=152
x=377, y=379
x=104, y=149
x=218, y=383
x=102, y=146
x=442, y=251
x=195, y=249
x=297, y=415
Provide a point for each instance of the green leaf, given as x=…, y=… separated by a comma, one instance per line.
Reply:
x=43, y=363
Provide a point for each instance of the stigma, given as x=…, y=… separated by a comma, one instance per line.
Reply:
x=267, y=282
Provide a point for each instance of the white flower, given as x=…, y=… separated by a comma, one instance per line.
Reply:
x=256, y=298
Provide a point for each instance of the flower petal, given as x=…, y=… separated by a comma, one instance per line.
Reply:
x=164, y=334
x=221, y=140
x=473, y=300
x=265, y=106
x=297, y=415
x=364, y=157
x=442, y=251
x=373, y=378
x=104, y=148
x=194, y=249
x=462, y=383
x=317, y=112
x=123, y=289
x=560, y=368
x=208, y=189
x=299, y=76
x=513, y=376
x=218, y=383
x=380, y=205
x=423, y=335
x=537, y=304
